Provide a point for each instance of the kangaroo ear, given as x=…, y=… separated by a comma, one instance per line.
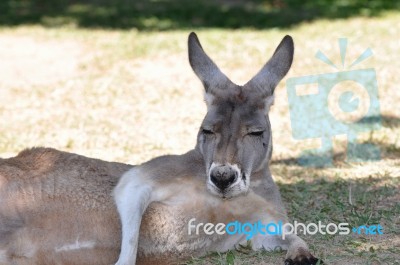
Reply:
x=207, y=71
x=265, y=81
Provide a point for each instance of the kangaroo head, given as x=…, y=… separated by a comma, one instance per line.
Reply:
x=235, y=135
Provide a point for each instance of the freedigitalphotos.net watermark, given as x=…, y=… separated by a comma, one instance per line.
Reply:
x=343, y=102
x=280, y=229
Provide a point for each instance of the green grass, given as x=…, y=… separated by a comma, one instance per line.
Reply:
x=129, y=95
x=375, y=200
x=182, y=14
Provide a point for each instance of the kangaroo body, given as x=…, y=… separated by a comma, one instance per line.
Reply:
x=62, y=208
x=57, y=208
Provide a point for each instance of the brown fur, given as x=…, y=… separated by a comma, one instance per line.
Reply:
x=49, y=198
x=57, y=208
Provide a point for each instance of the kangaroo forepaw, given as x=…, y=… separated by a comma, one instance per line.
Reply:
x=304, y=260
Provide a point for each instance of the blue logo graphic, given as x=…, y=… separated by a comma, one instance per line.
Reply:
x=331, y=104
x=250, y=230
x=368, y=230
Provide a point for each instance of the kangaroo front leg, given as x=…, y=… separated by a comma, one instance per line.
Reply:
x=132, y=196
x=270, y=238
x=298, y=252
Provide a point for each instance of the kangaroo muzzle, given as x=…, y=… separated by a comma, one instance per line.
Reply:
x=223, y=176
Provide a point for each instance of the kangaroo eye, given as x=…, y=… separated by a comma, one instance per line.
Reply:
x=256, y=133
x=207, y=132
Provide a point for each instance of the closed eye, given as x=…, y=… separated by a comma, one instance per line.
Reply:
x=256, y=133
x=207, y=132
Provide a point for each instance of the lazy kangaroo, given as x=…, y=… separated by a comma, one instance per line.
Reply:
x=225, y=178
x=63, y=208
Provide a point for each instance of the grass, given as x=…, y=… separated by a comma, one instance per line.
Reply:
x=374, y=201
x=129, y=95
x=182, y=14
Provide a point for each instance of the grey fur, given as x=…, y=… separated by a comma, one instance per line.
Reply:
x=226, y=176
x=57, y=208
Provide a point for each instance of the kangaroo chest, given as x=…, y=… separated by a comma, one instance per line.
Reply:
x=186, y=221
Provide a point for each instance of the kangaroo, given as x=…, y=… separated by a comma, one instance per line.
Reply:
x=225, y=178
x=63, y=208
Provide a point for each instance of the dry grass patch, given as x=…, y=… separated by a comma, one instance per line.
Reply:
x=129, y=96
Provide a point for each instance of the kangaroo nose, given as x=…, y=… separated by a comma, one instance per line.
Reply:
x=223, y=176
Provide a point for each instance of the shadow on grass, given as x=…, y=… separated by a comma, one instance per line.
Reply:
x=374, y=201
x=183, y=14
x=386, y=151
x=358, y=202
x=387, y=121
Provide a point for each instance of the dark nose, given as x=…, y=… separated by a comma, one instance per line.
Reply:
x=223, y=176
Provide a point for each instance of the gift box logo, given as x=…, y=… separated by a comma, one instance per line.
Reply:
x=330, y=104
